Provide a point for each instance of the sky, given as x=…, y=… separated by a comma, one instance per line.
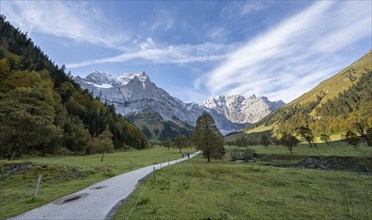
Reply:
x=199, y=49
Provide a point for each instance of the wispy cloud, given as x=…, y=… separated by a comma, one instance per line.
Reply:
x=150, y=52
x=75, y=20
x=237, y=9
x=292, y=57
x=164, y=20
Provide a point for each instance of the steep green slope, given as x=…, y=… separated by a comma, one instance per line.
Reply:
x=343, y=80
x=43, y=109
x=155, y=128
x=332, y=107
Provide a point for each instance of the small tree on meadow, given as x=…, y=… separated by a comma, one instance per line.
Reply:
x=265, y=141
x=276, y=142
x=167, y=143
x=103, y=143
x=366, y=134
x=241, y=142
x=353, y=139
x=208, y=138
x=289, y=140
x=369, y=136
x=180, y=142
x=325, y=138
x=307, y=134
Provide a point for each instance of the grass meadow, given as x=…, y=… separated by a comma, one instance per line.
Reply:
x=223, y=189
x=64, y=175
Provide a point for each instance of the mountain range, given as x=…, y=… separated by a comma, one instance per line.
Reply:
x=136, y=97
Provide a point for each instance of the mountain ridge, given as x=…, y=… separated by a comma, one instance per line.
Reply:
x=132, y=93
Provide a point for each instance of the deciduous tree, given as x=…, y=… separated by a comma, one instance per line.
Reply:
x=325, y=138
x=180, y=142
x=289, y=140
x=352, y=139
x=167, y=143
x=307, y=134
x=265, y=141
x=27, y=117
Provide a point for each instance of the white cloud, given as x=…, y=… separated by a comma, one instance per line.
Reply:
x=75, y=20
x=164, y=20
x=174, y=54
x=237, y=9
x=293, y=56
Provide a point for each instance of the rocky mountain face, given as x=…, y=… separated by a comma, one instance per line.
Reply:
x=133, y=93
x=239, y=109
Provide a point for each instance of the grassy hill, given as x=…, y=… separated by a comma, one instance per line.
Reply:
x=333, y=107
x=343, y=80
x=156, y=129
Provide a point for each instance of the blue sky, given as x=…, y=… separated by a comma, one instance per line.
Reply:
x=195, y=50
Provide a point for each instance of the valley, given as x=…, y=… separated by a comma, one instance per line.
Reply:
x=84, y=130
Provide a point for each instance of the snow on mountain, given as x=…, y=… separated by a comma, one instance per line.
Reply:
x=100, y=78
x=239, y=109
x=134, y=92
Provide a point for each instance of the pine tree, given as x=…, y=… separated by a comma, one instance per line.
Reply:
x=208, y=138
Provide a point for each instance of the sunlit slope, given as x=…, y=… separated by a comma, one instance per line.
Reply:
x=332, y=107
x=339, y=82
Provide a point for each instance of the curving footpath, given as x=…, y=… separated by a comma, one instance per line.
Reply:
x=97, y=201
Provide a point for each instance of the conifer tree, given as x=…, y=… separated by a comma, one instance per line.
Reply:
x=208, y=138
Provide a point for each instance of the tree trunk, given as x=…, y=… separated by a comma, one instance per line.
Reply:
x=327, y=143
x=209, y=158
x=11, y=155
x=311, y=146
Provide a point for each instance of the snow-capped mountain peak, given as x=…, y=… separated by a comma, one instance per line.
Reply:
x=100, y=78
x=133, y=93
x=127, y=77
x=239, y=109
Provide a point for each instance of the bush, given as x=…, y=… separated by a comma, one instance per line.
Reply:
x=239, y=154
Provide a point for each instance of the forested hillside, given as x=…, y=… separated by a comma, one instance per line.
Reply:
x=42, y=109
x=337, y=105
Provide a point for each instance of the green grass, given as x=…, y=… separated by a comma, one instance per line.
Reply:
x=334, y=149
x=67, y=174
x=226, y=190
x=254, y=135
x=278, y=156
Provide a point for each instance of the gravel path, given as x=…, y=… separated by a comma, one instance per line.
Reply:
x=96, y=201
